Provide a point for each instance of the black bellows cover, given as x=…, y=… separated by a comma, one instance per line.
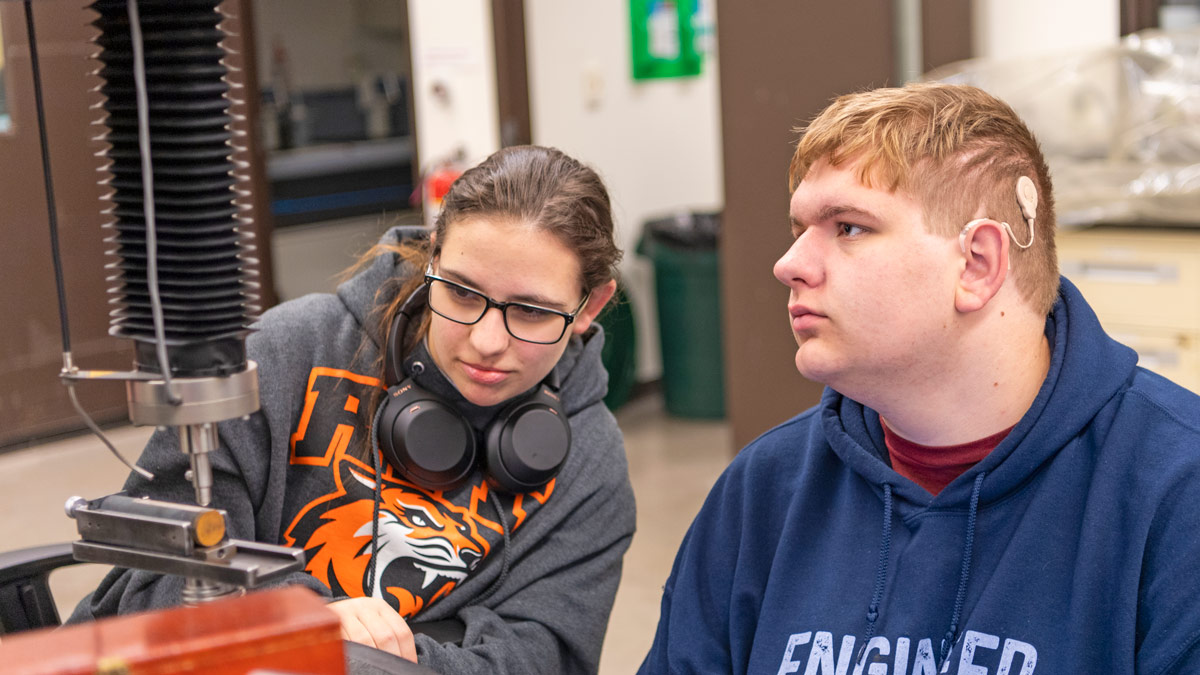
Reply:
x=204, y=247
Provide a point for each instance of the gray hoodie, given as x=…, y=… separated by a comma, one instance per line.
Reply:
x=288, y=475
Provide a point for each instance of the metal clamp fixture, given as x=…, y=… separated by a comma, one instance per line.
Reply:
x=178, y=539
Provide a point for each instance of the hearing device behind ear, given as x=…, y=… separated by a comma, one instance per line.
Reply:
x=962, y=236
x=429, y=442
x=1027, y=198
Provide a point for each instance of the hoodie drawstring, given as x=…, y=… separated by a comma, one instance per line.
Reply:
x=376, y=452
x=503, y=553
x=964, y=573
x=964, y=576
x=885, y=546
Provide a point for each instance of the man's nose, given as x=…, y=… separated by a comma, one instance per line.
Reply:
x=801, y=263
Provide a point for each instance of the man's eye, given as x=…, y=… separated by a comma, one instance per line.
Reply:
x=850, y=230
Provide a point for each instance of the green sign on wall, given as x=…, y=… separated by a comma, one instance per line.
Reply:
x=663, y=38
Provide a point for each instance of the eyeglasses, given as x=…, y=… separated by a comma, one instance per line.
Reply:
x=525, y=322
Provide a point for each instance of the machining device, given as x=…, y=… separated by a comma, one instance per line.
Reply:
x=182, y=284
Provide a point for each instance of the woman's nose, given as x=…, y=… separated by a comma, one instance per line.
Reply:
x=489, y=335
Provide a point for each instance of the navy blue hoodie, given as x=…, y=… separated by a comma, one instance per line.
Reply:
x=1073, y=548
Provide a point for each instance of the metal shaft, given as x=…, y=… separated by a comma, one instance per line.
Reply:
x=196, y=591
x=197, y=440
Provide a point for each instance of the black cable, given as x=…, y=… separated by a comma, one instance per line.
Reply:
x=144, y=148
x=52, y=212
x=45, y=143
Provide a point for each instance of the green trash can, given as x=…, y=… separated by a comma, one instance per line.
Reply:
x=619, y=354
x=687, y=284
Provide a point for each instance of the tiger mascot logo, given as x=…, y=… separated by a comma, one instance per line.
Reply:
x=427, y=544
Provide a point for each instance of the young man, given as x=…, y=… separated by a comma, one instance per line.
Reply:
x=990, y=485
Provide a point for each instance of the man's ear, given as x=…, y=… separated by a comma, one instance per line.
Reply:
x=985, y=246
x=596, y=301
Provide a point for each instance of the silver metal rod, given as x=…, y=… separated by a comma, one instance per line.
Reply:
x=910, y=61
x=197, y=440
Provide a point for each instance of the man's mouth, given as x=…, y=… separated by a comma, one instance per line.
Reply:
x=804, y=318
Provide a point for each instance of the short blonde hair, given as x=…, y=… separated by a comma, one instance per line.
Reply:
x=953, y=148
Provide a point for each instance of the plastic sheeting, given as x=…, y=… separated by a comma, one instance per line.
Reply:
x=1120, y=126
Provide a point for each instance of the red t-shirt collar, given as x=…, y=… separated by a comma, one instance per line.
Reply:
x=934, y=467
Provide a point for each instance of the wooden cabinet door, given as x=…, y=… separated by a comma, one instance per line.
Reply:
x=33, y=403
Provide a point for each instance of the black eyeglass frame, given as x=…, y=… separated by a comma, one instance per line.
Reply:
x=568, y=317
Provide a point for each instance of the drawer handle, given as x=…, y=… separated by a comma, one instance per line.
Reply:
x=1121, y=273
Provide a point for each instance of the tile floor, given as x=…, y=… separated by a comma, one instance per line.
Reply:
x=673, y=462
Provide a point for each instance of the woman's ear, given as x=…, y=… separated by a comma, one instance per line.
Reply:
x=598, y=298
x=984, y=243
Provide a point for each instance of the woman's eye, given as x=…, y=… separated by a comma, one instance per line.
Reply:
x=525, y=313
x=460, y=293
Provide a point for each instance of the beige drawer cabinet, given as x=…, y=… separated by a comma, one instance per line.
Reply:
x=1144, y=284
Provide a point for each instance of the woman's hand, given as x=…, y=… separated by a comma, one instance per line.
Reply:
x=372, y=622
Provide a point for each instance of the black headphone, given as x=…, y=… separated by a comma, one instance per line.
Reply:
x=431, y=444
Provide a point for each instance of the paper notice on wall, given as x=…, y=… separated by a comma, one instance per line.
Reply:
x=663, y=30
x=450, y=57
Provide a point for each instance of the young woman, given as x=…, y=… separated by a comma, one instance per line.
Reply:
x=521, y=538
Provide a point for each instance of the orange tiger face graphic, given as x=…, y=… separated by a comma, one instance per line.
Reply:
x=427, y=545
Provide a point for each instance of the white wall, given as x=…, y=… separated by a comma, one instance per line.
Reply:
x=656, y=143
x=1014, y=28
x=454, y=79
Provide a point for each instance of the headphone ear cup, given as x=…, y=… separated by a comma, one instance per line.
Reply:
x=426, y=440
x=528, y=443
